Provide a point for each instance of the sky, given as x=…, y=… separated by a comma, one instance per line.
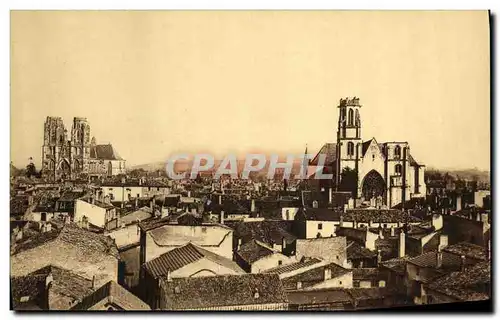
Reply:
x=155, y=83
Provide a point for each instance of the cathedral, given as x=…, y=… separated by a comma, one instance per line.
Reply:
x=79, y=156
x=387, y=174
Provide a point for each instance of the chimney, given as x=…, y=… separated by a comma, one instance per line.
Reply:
x=48, y=280
x=30, y=200
x=459, y=203
x=189, y=194
x=239, y=244
x=380, y=233
x=136, y=202
x=330, y=195
x=169, y=276
x=151, y=206
x=328, y=273
x=48, y=227
x=193, y=210
x=402, y=244
x=341, y=224
x=478, y=217
x=283, y=244
x=222, y=217
x=354, y=224
x=393, y=232
x=439, y=258
x=252, y=206
x=379, y=257
x=462, y=263
x=93, y=283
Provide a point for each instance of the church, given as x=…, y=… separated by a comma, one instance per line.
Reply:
x=79, y=156
x=387, y=174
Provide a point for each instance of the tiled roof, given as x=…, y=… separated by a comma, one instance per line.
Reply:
x=267, y=231
x=356, y=251
x=365, y=274
x=141, y=214
x=219, y=291
x=467, y=249
x=397, y=265
x=64, y=282
x=72, y=234
x=18, y=205
x=183, y=256
x=365, y=146
x=104, y=152
x=472, y=284
x=319, y=296
x=313, y=276
x=321, y=248
x=378, y=215
x=304, y=263
x=330, y=149
x=201, y=235
x=429, y=260
x=320, y=214
x=368, y=293
x=254, y=250
x=71, y=195
x=116, y=295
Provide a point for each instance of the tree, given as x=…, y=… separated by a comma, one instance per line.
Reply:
x=349, y=181
x=31, y=170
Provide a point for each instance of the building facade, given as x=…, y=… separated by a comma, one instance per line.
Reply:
x=385, y=171
x=69, y=157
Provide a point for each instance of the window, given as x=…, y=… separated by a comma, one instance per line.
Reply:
x=158, y=189
x=280, y=262
x=350, y=149
x=340, y=282
x=320, y=226
x=351, y=117
x=397, y=152
x=398, y=168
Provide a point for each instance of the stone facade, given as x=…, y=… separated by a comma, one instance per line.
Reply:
x=387, y=174
x=66, y=157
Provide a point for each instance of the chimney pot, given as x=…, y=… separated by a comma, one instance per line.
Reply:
x=439, y=259
x=463, y=263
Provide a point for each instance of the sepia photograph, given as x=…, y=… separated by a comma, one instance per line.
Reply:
x=289, y=161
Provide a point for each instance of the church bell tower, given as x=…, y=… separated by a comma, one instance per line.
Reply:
x=348, y=136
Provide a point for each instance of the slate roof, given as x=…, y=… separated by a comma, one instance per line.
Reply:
x=470, y=285
x=71, y=195
x=330, y=149
x=467, y=249
x=116, y=295
x=313, y=276
x=104, y=152
x=304, y=263
x=254, y=250
x=64, y=282
x=72, y=234
x=183, y=256
x=219, y=291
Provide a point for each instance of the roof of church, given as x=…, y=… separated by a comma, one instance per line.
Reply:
x=330, y=149
x=104, y=152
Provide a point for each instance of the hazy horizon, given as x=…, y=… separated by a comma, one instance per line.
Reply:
x=157, y=83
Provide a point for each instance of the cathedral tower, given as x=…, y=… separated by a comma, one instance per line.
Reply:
x=80, y=145
x=55, y=151
x=348, y=136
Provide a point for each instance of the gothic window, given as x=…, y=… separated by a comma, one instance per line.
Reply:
x=358, y=121
x=398, y=169
x=350, y=149
x=397, y=152
x=351, y=117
